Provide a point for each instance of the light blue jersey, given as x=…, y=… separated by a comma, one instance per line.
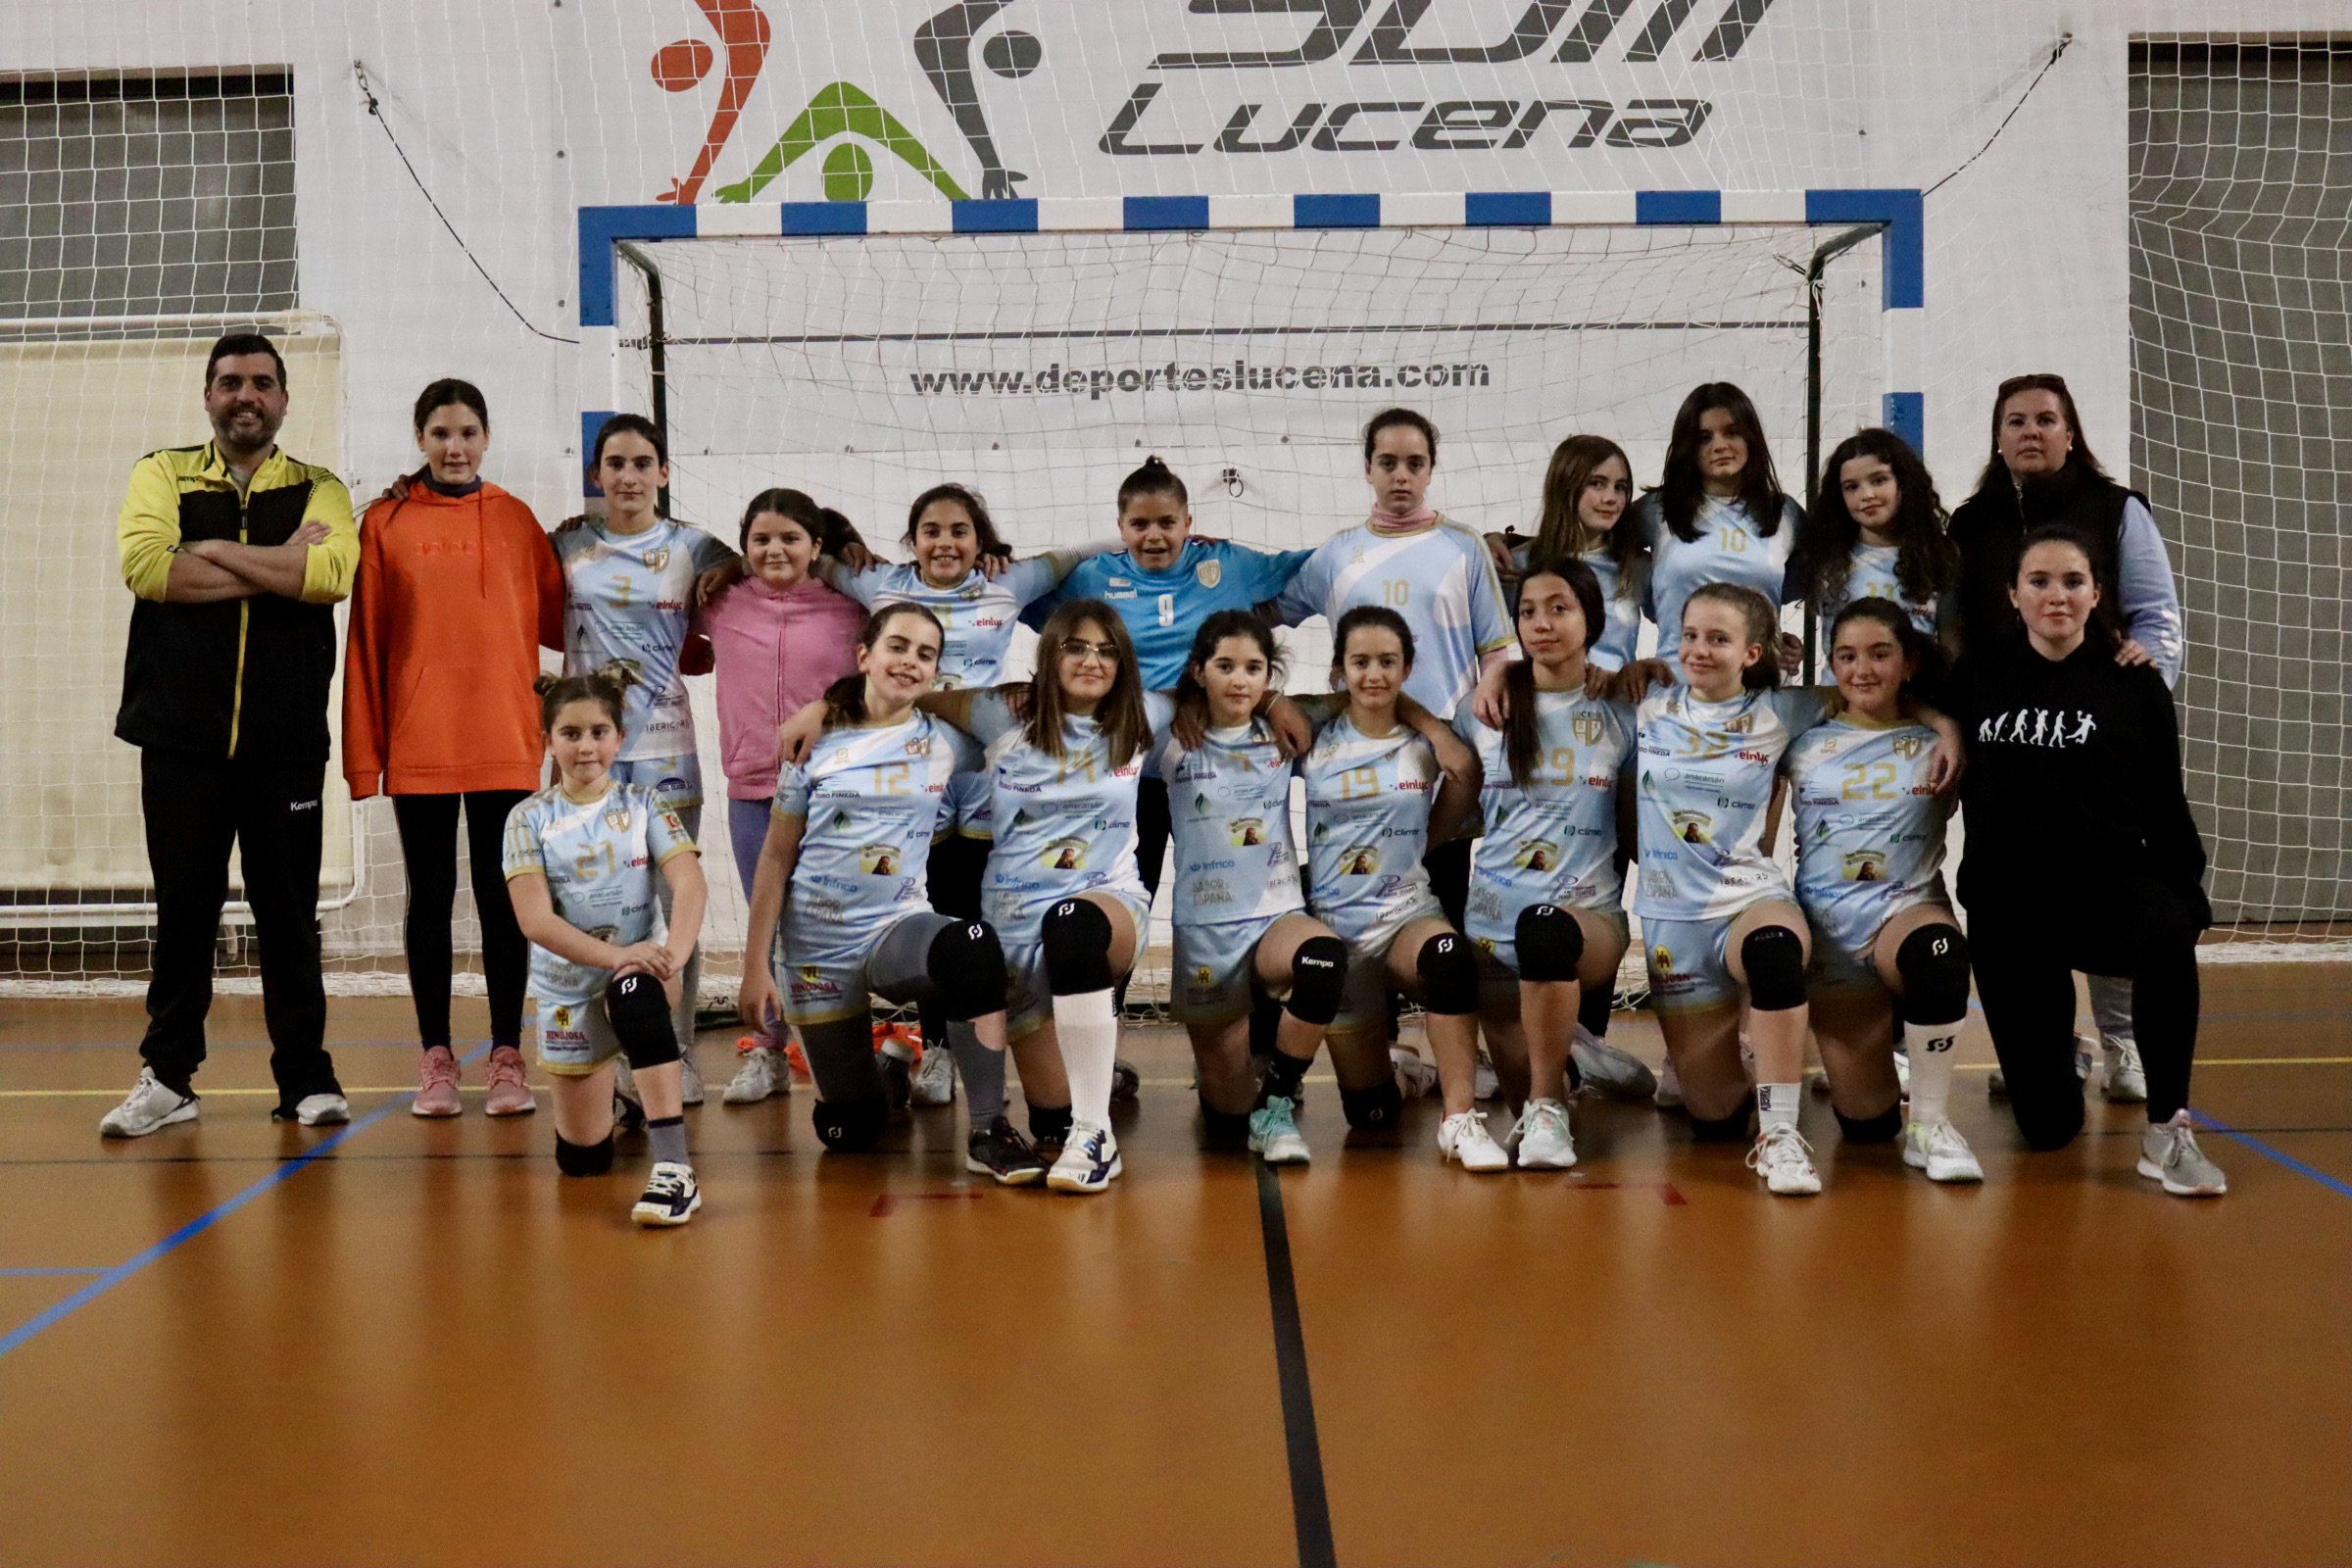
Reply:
x=1621, y=631
x=1705, y=779
x=601, y=859
x=1062, y=825
x=1552, y=840
x=1868, y=829
x=629, y=597
x=1441, y=580
x=1164, y=609
x=872, y=800
x=1870, y=575
x=1367, y=826
x=1229, y=807
x=1727, y=548
x=979, y=615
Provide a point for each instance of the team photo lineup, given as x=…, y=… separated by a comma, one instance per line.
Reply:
x=1530, y=728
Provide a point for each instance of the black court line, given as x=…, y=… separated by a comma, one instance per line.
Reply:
x=1310, y=1508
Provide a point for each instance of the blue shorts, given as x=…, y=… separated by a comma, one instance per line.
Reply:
x=1028, y=998
x=1845, y=931
x=676, y=781
x=1499, y=960
x=576, y=1035
x=1690, y=968
x=1212, y=975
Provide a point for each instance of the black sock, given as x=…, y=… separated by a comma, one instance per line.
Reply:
x=1286, y=1075
x=1592, y=1009
x=667, y=1136
x=1050, y=1124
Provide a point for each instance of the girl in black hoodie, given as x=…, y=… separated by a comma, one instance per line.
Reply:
x=2080, y=855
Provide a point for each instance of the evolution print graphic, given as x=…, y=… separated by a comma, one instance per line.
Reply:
x=2039, y=726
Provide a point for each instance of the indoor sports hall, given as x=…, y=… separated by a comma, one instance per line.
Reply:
x=753, y=1097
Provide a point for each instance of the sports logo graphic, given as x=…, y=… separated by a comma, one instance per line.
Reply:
x=617, y=817
x=1908, y=747
x=657, y=557
x=1210, y=574
x=1587, y=728
x=1661, y=958
x=563, y=1018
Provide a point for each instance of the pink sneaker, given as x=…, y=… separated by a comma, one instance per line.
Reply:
x=510, y=1096
x=436, y=1085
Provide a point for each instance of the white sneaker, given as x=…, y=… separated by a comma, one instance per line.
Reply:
x=1089, y=1163
x=148, y=1107
x=2169, y=1154
x=1544, y=1140
x=764, y=1073
x=1780, y=1158
x=1483, y=1081
x=1416, y=1078
x=690, y=1078
x=672, y=1196
x=1465, y=1137
x=1274, y=1135
x=1817, y=1080
x=1936, y=1148
x=934, y=1080
x=1669, y=1094
x=1619, y=1074
x=2126, y=1079
x=323, y=1110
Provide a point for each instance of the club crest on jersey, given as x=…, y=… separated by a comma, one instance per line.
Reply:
x=657, y=557
x=617, y=817
x=878, y=859
x=1865, y=865
x=920, y=747
x=1745, y=724
x=1536, y=854
x=1908, y=747
x=1693, y=827
x=1064, y=854
x=1587, y=728
x=1210, y=574
x=1360, y=860
x=1246, y=833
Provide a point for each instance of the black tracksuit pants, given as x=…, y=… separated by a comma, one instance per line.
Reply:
x=428, y=848
x=195, y=808
x=2025, y=949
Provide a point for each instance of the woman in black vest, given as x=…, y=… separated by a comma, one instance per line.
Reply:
x=2042, y=470
x=2080, y=855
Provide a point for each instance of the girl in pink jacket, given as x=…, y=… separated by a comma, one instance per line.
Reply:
x=780, y=638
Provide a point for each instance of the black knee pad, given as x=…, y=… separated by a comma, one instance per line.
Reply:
x=640, y=1014
x=849, y=1126
x=1773, y=957
x=1883, y=1128
x=583, y=1160
x=1077, y=942
x=1372, y=1109
x=1050, y=1124
x=1934, y=963
x=1449, y=975
x=968, y=964
x=1732, y=1129
x=1550, y=943
x=1318, y=976
x=1225, y=1129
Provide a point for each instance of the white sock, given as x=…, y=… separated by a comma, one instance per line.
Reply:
x=1089, y=1032
x=1931, y=1049
x=1775, y=1106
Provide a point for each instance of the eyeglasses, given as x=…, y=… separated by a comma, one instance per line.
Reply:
x=1073, y=648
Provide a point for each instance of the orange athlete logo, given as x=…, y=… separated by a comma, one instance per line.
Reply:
x=743, y=32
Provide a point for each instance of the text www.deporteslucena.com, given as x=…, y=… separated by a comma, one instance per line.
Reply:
x=1237, y=376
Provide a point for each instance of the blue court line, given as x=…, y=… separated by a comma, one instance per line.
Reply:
x=2343, y=1188
x=196, y=1227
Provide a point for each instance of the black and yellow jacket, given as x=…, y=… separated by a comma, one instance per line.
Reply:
x=245, y=678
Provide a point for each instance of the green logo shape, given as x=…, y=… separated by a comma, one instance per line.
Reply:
x=843, y=110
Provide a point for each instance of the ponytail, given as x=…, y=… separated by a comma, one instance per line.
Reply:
x=603, y=686
x=1153, y=479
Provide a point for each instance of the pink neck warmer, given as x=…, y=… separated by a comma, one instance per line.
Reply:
x=1410, y=522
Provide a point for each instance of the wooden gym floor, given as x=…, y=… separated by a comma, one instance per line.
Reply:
x=409, y=1343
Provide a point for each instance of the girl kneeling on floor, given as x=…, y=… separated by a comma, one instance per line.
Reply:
x=580, y=862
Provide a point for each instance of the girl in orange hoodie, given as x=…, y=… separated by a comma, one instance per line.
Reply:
x=457, y=590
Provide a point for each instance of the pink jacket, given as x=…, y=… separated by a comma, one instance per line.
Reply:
x=776, y=652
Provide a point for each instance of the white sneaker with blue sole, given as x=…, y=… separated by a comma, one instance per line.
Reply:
x=1089, y=1163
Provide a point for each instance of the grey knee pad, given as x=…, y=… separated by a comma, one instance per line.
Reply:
x=640, y=1015
x=1773, y=957
x=849, y=1126
x=1934, y=963
x=967, y=965
x=583, y=1160
x=1318, y=977
x=1550, y=943
x=1449, y=975
x=1077, y=942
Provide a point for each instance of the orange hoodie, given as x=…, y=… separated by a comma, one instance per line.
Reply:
x=456, y=594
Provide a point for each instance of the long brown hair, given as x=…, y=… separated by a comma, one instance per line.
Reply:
x=1685, y=487
x=845, y=699
x=1561, y=533
x=1763, y=627
x=2077, y=456
x=1120, y=717
x=1926, y=561
x=1522, y=729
